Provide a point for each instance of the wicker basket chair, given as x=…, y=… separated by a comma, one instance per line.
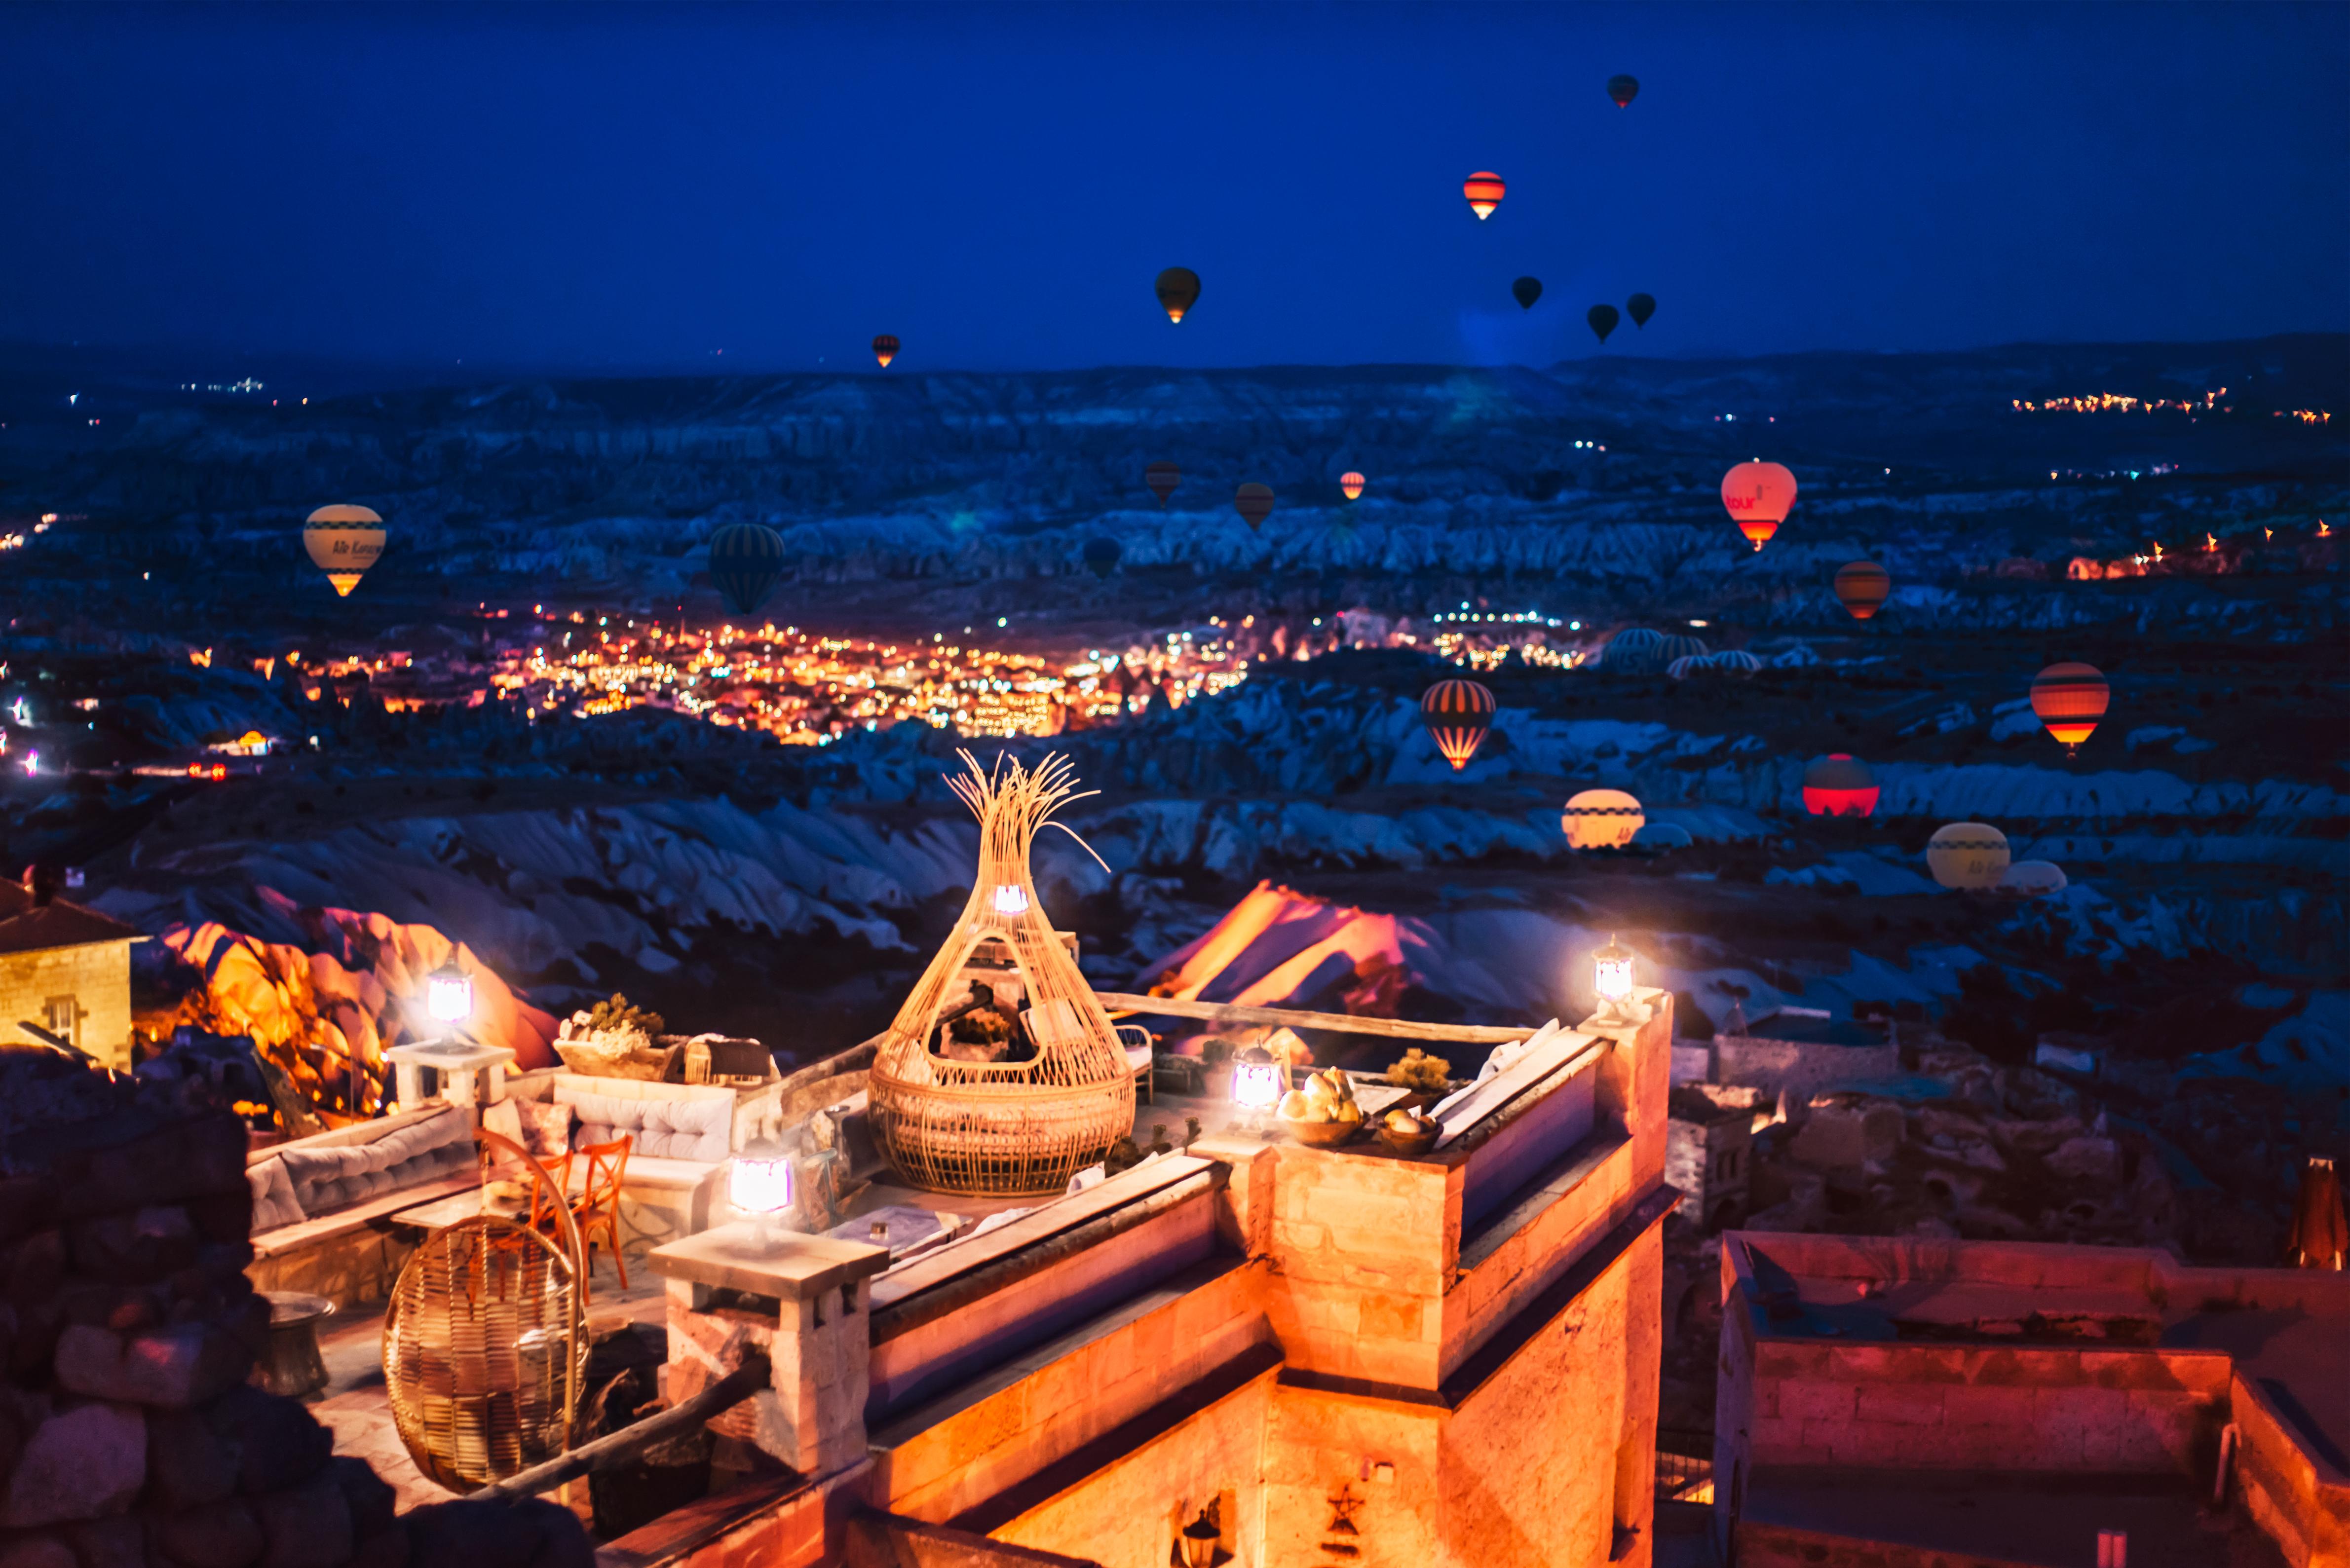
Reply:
x=484, y=1345
x=1011, y=1127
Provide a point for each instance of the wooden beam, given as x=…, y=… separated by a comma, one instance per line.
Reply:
x=617, y=1449
x=1342, y=1023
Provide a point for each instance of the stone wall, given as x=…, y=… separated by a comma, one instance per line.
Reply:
x=97, y=975
x=1799, y=1069
x=128, y=1435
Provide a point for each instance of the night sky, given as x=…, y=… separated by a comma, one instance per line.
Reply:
x=998, y=184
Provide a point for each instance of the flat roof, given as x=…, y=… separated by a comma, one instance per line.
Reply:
x=1810, y=1029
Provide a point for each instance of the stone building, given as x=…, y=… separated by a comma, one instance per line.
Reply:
x=66, y=971
x=1311, y=1355
x=1800, y=1052
x=1709, y=1152
x=1904, y=1401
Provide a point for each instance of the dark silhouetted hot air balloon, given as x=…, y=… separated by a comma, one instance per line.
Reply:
x=1101, y=556
x=1839, y=786
x=1350, y=484
x=1603, y=319
x=1640, y=307
x=1862, y=586
x=1527, y=290
x=1484, y=192
x=1255, y=504
x=885, y=348
x=1162, y=478
x=1622, y=90
x=343, y=542
x=745, y=561
x=1759, y=496
x=1179, y=290
x=2070, y=699
x=1457, y=713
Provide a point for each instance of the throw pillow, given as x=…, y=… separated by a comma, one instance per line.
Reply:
x=273, y=1196
x=546, y=1127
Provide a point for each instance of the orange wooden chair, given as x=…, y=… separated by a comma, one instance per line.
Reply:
x=597, y=1206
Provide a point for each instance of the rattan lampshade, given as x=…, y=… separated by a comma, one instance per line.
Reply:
x=483, y=1349
x=1016, y=1125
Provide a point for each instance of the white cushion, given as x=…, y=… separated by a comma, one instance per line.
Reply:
x=661, y=1128
x=274, y=1202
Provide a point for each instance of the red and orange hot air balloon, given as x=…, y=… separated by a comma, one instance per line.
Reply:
x=1484, y=192
x=1350, y=484
x=1839, y=785
x=2070, y=699
x=885, y=348
x=1758, y=495
x=1457, y=713
x=1862, y=588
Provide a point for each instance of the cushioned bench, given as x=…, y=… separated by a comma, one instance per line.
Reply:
x=682, y=1135
x=321, y=1204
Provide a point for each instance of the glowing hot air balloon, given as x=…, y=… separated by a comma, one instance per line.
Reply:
x=1253, y=501
x=1484, y=192
x=747, y=559
x=885, y=348
x=2032, y=880
x=1603, y=319
x=1640, y=307
x=1622, y=90
x=1101, y=556
x=2070, y=699
x=1601, y=819
x=1759, y=496
x=1861, y=587
x=1179, y=290
x=1457, y=713
x=1969, y=855
x=343, y=542
x=1162, y=478
x=1527, y=290
x=1838, y=785
x=1350, y=484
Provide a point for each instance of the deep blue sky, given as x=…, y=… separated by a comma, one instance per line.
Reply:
x=998, y=185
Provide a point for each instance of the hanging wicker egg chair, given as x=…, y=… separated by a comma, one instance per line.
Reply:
x=1022, y=1124
x=484, y=1344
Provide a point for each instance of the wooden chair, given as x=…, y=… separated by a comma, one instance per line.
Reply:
x=597, y=1206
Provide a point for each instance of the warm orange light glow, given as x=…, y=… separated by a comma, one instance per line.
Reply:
x=1351, y=485
x=1484, y=190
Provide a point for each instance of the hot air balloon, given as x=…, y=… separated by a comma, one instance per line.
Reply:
x=1484, y=192
x=885, y=348
x=1635, y=650
x=2070, y=699
x=1759, y=496
x=1603, y=319
x=1601, y=819
x=1101, y=556
x=343, y=542
x=1687, y=665
x=1162, y=478
x=1862, y=586
x=1655, y=837
x=1622, y=90
x=1970, y=855
x=1179, y=290
x=2032, y=880
x=1640, y=307
x=1253, y=501
x=1457, y=713
x=745, y=561
x=1737, y=661
x=1350, y=484
x=1839, y=786
x=1527, y=290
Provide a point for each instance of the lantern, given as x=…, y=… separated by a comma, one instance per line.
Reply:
x=1200, y=1539
x=1258, y=1080
x=759, y=1182
x=1612, y=977
x=2070, y=699
x=448, y=994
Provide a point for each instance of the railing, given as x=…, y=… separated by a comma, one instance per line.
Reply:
x=1683, y=1474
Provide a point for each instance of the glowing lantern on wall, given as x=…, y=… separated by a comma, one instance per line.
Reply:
x=1601, y=819
x=1258, y=1080
x=2070, y=699
x=1967, y=855
x=1457, y=713
x=1484, y=190
x=759, y=1182
x=1612, y=977
x=448, y=994
x=1759, y=496
x=1839, y=786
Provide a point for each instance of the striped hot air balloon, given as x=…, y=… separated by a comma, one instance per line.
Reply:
x=343, y=543
x=1839, y=786
x=1457, y=713
x=746, y=561
x=1484, y=192
x=1759, y=496
x=1861, y=587
x=2070, y=699
x=1253, y=501
x=1162, y=478
x=885, y=348
x=1350, y=486
x=1179, y=291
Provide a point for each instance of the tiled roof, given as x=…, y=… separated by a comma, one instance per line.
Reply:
x=26, y=927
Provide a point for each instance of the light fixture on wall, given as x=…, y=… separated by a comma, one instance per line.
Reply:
x=759, y=1182
x=1199, y=1541
x=1259, y=1080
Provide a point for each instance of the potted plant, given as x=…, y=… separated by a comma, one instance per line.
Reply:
x=1428, y=1079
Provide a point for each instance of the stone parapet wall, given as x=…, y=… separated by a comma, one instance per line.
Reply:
x=2300, y=1501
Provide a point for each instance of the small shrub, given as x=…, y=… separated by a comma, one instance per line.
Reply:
x=618, y=1014
x=1420, y=1071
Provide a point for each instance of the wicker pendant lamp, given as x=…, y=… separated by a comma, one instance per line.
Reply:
x=484, y=1344
x=1064, y=1092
